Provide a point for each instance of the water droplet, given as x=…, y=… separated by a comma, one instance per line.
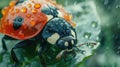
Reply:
x=94, y=24
x=97, y=38
x=32, y=22
x=87, y=35
x=34, y=11
x=37, y=6
x=29, y=5
x=83, y=51
x=21, y=35
x=28, y=15
x=12, y=3
x=24, y=10
x=98, y=43
x=16, y=10
x=3, y=11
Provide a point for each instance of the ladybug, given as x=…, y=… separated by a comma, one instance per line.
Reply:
x=38, y=21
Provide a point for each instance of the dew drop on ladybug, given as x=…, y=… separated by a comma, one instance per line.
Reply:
x=24, y=10
x=37, y=6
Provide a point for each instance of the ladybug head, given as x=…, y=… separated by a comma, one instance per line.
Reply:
x=67, y=42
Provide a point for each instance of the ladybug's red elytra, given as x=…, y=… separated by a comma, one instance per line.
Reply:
x=25, y=20
x=34, y=21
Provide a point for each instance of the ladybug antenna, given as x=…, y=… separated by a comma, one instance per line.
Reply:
x=77, y=46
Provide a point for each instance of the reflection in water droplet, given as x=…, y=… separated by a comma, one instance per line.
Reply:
x=87, y=35
x=83, y=51
x=94, y=24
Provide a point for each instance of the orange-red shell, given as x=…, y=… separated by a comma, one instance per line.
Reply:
x=34, y=19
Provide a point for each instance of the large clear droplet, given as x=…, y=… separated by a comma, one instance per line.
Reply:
x=87, y=35
x=94, y=24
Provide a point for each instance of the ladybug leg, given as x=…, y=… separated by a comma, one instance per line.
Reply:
x=18, y=45
x=59, y=56
x=63, y=54
x=4, y=44
x=42, y=49
x=42, y=60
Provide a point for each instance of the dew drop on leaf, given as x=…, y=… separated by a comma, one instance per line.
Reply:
x=87, y=35
x=94, y=24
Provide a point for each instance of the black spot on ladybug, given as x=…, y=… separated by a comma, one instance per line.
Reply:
x=50, y=10
x=17, y=22
x=19, y=1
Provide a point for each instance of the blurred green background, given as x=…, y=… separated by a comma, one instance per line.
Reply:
x=108, y=53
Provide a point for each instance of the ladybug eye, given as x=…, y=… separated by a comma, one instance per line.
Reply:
x=17, y=23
